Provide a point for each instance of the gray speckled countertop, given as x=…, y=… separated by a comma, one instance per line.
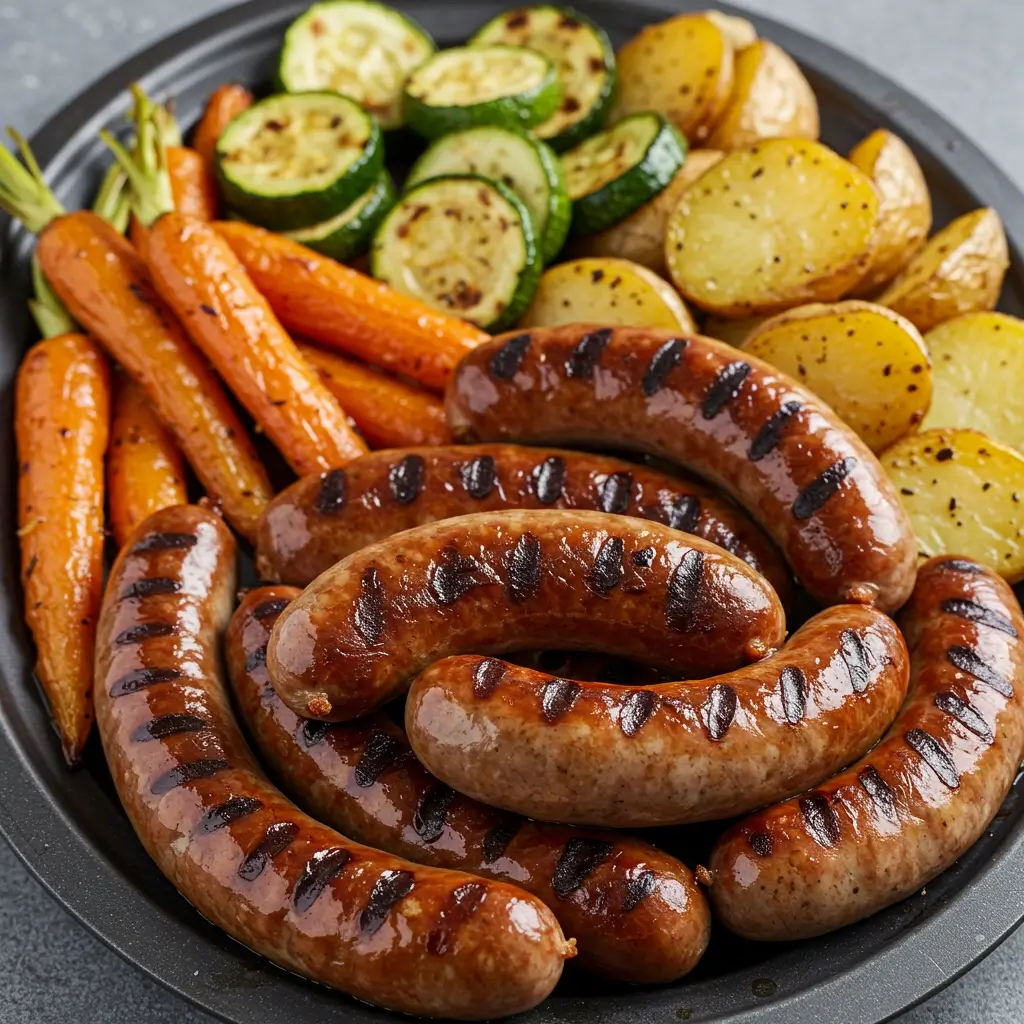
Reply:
x=962, y=56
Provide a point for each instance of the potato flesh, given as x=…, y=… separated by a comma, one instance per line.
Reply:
x=964, y=493
x=774, y=226
x=871, y=366
x=978, y=363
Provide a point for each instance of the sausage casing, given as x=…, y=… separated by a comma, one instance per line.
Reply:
x=734, y=420
x=415, y=939
x=880, y=830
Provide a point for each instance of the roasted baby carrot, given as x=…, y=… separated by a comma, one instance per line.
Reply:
x=332, y=304
x=61, y=420
x=145, y=470
x=223, y=106
x=388, y=412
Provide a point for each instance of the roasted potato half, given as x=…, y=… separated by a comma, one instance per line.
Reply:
x=606, y=291
x=960, y=270
x=964, y=493
x=641, y=236
x=770, y=99
x=978, y=368
x=779, y=224
x=682, y=68
x=732, y=332
x=866, y=361
x=905, y=216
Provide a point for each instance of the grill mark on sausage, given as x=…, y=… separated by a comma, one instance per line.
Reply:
x=497, y=839
x=960, y=565
x=486, y=677
x=506, y=361
x=662, y=363
x=637, y=890
x=231, y=810
x=138, y=679
x=167, y=725
x=682, y=512
x=144, y=631
x=368, y=611
x=330, y=498
x=877, y=788
x=549, y=480
x=586, y=355
x=644, y=557
x=276, y=839
x=313, y=731
x=813, y=497
x=429, y=817
x=321, y=869
x=855, y=657
x=524, y=568
x=478, y=477
x=256, y=658
x=974, y=612
x=557, y=698
x=934, y=756
x=579, y=860
x=962, y=711
x=724, y=388
x=769, y=436
x=761, y=843
x=719, y=710
x=614, y=493
x=165, y=541
x=684, y=587
x=459, y=908
x=392, y=886
x=606, y=573
x=406, y=479
x=968, y=661
x=820, y=820
x=380, y=753
x=190, y=771
x=270, y=609
x=793, y=690
x=636, y=711
x=452, y=576
x=152, y=587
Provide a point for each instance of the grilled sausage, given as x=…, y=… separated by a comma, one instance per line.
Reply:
x=884, y=827
x=322, y=518
x=614, y=756
x=776, y=448
x=636, y=912
x=497, y=581
x=415, y=939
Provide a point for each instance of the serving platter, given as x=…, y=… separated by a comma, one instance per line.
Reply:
x=69, y=829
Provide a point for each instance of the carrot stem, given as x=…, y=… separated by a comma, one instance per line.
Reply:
x=24, y=193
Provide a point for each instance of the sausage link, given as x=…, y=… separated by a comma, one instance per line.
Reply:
x=414, y=939
x=498, y=581
x=887, y=825
x=320, y=519
x=776, y=448
x=636, y=912
x=668, y=754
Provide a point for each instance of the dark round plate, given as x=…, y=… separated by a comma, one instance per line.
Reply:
x=68, y=828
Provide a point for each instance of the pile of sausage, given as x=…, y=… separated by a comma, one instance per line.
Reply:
x=450, y=879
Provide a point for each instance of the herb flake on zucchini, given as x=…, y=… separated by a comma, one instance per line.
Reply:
x=616, y=171
x=526, y=165
x=358, y=48
x=462, y=244
x=582, y=54
x=298, y=159
x=507, y=86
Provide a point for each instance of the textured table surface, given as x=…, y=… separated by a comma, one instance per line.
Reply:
x=963, y=58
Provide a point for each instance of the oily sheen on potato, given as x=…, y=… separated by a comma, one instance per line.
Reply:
x=776, y=225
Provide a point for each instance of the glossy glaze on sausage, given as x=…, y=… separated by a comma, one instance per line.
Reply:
x=668, y=754
x=498, y=581
x=320, y=519
x=883, y=828
x=637, y=914
x=740, y=424
x=414, y=939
